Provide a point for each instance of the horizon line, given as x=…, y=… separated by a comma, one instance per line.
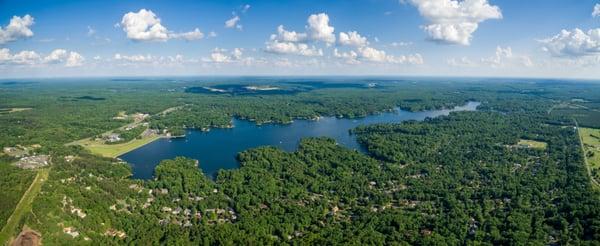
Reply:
x=305, y=76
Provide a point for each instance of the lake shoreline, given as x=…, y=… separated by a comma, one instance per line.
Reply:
x=217, y=149
x=207, y=129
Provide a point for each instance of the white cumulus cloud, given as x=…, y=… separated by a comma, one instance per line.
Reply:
x=26, y=57
x=375, y=55
x=56, y=56
x=350, y=57
x=302, y=49
x=370, y=54
x=74, y=60
x=29, y=57
x=237, y=53
x=498, y=58
x=5, y=55
x=352, y=39
x=219, y=57
x=146, y=26
x=596, y=11
x=18, y=27
x=573, y=43
x=347, y=55
x=453, y=21
x=196, y=34
x=288, y=36
x=319, y=28
x=223, y=56
x=292, y=42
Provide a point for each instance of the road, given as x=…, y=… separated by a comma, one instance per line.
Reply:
x=587, y=166
x=24, y=206
x=133, y=124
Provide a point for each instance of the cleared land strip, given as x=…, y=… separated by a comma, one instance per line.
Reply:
x=585, y=158
x=12, y=110
x=23, y=206
x=114, y=150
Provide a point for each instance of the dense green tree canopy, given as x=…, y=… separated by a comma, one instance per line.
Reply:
x=461, y=179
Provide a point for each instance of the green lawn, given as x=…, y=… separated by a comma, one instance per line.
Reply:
x=13, y=110
x=24, y=206
x=591, y=146
x=533, y=144
x=14, y=182
x=114, y=150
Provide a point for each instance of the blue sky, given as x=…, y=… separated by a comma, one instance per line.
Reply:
x=534, y=38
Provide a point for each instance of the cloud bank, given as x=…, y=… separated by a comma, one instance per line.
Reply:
x=31, y=58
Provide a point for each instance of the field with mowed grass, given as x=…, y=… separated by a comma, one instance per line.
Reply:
x=114, y=150
x=533, y=144
x=591, y=146
x=11, y=227
x=14, y=182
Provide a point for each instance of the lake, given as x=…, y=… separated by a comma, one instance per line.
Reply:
x=218, y=148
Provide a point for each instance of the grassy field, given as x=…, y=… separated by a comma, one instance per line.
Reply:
x=591, y=146
x=24, y=206
x=14, y=182
x=533, y=144
x=13, y=110
x=114, y=150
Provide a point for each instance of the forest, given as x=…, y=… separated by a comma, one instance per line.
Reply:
x=461, y=179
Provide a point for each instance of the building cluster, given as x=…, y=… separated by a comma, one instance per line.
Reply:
x=35, y=161
x=113, y=137
x=185, y=216
x=21, y=151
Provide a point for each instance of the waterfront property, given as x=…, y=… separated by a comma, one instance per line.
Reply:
x=217, y=149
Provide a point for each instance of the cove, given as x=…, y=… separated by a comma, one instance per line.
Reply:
x=218, y=148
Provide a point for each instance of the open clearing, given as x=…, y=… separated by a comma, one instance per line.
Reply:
x=24, y=205
x=114, y=150
x=591, y=148
x=12, y=110
x=533, y=144
x=27, y=237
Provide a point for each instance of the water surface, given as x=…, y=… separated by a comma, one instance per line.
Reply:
x=218, y=148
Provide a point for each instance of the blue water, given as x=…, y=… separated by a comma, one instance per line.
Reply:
x=218, y=148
